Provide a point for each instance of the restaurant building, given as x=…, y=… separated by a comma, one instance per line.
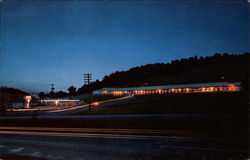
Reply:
x=60, y=102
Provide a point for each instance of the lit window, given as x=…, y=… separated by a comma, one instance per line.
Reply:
x=232, y=87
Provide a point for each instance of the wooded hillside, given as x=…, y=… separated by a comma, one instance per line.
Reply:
x=216, y=68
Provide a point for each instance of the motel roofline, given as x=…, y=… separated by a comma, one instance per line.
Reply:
x=60, y=100
x=175, y=86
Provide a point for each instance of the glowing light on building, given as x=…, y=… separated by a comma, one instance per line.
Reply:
x=232, y=87
x=211, y=89
x=56, y=102
x=104, y=92
x=159, y=90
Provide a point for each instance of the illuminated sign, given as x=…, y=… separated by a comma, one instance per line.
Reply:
x=28, y=99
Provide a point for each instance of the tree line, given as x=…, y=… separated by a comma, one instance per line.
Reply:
x=215, y=68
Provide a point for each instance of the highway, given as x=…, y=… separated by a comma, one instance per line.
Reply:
x=102, y=144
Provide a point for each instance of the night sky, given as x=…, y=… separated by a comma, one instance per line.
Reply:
x=57, y=42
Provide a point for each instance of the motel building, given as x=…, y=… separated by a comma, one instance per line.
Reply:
x=174, y=89
x=60, y=102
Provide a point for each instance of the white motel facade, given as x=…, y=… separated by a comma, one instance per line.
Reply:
x=173, y=89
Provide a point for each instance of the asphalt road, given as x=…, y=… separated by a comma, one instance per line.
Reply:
x=131, y=116
x=96, y=144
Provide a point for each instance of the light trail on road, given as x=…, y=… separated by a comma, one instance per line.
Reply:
x=100, y=130
x=84, y=106
x=80, y=135
x=42, y=108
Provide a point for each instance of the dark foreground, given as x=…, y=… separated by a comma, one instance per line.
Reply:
x=208, y=127
x=96, y=146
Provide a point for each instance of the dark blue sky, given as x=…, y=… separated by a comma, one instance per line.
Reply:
x=56, y=42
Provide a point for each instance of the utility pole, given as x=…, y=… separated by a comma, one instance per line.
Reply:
x=87, y=80
x=52, y=90
x=52, y=87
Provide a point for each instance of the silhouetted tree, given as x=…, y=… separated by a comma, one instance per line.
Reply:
x=41, y=95
x=60, y=94
x=72, y=90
